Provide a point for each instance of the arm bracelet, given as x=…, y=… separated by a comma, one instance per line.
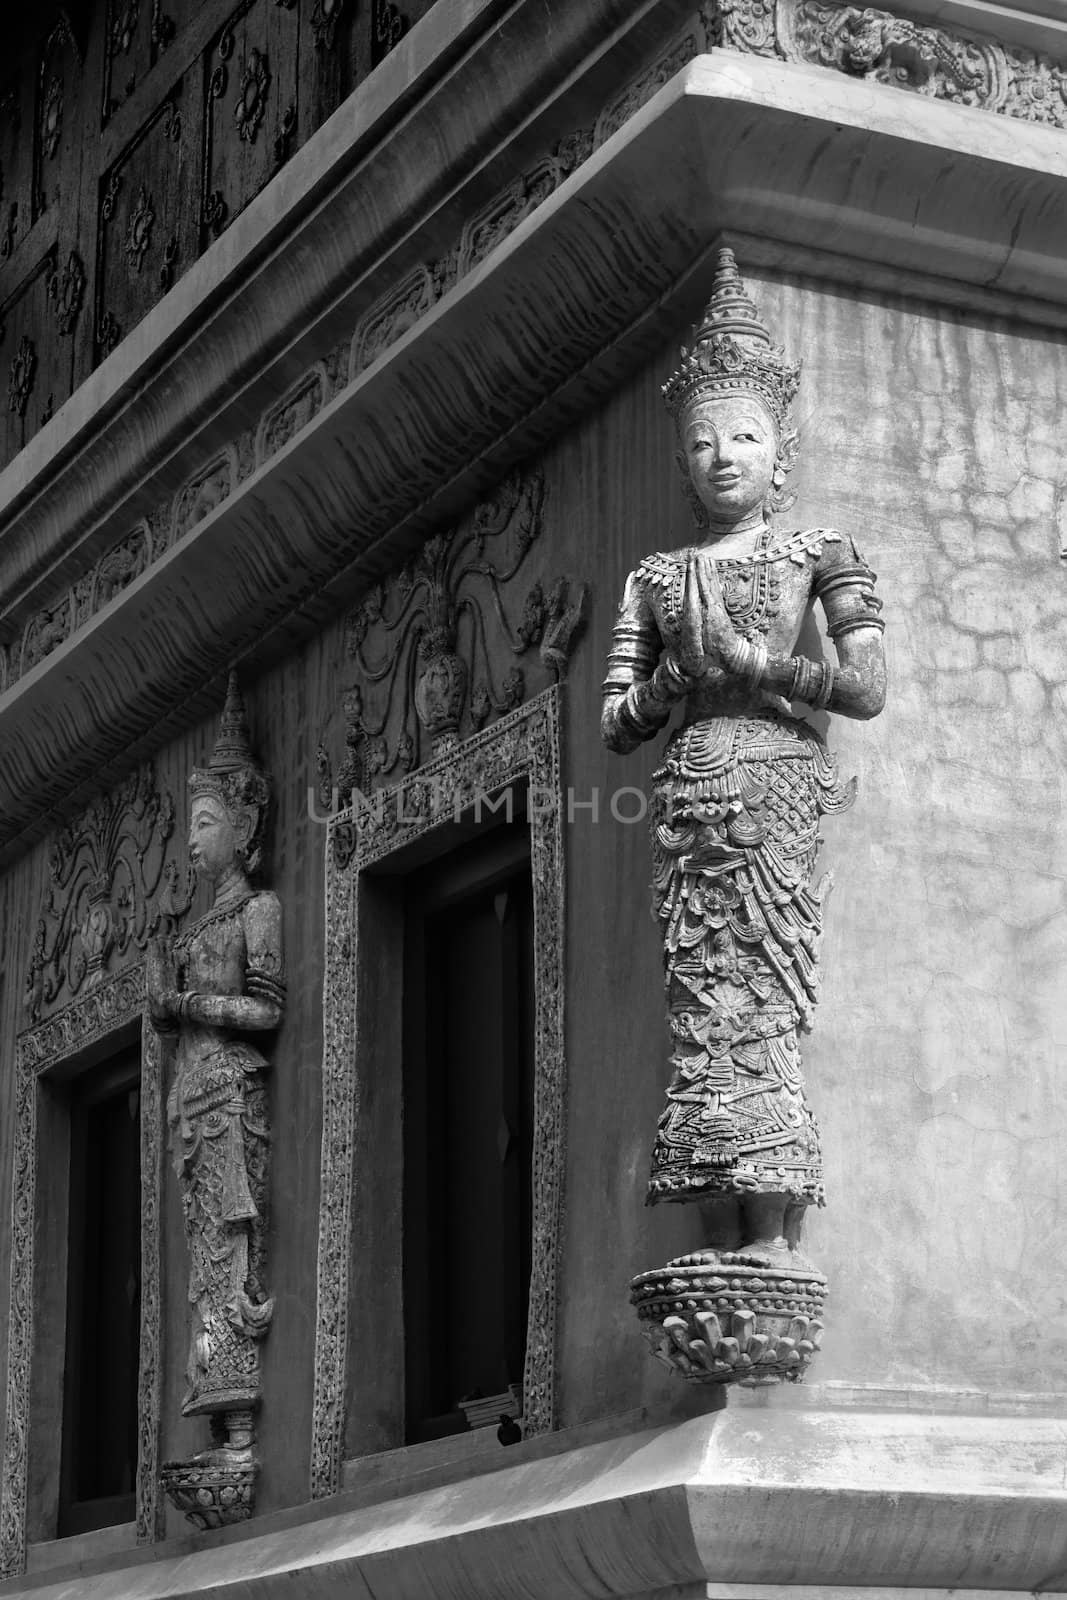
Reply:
x=813, y=682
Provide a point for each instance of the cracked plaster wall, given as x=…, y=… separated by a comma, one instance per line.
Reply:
x=938, y=1064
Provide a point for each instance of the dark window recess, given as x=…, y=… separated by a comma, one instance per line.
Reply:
x=468, y=1123
x=99, y=1462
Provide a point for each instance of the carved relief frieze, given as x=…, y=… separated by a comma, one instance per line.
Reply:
x=410, y=298
x=46, y=632
x=112, y=886
x=113, y=1005
x=204, y=491
x=426, y=644
x=876, y=44
x=116, y=570
x=522, y=746
x=634, y=96
x=304, y=400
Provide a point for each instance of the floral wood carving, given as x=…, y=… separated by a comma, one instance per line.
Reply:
x=139, y=231
x=123, y=26
x=422, y=642
x=113, y=1005
x=112, y=888
x=163, y=28
x=525, y=745
x=325, y=16
x=52, y=117
x=67, y=291
x=875, y=44
x=21, y=376
x=251, y=103
x=389, y=26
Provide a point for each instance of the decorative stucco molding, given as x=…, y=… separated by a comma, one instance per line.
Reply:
x=112, y=1006
x=879, y=45
x=523, y=746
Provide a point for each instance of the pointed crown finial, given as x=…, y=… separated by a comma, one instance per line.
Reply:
x=233, y=746
x=234, y=777
x=732, y=351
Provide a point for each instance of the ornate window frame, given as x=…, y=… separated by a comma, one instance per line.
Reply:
x=522, y=747
x=115, y=1005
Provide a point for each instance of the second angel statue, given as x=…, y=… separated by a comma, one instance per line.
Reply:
x=736, y=807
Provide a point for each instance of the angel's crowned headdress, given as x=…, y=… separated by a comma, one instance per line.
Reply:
x=732, y=352
x=234, y=777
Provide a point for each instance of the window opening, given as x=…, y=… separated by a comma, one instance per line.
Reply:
x=468, y=1029
x=99, y=1449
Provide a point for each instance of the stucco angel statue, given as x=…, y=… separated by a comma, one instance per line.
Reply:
x=743, y=781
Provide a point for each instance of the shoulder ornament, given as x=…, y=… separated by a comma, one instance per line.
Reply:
x=665, y=573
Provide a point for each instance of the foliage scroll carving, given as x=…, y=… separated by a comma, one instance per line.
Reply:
x=426, y=642
x=112, y=887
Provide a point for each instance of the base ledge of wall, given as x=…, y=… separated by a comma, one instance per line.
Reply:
x=737, y=1503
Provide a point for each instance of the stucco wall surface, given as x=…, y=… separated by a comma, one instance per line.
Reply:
x=936, y=1060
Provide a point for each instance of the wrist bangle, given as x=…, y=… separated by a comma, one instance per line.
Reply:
x=822, y=695
x=757, y=663
x=678, y=680
x=802, y=679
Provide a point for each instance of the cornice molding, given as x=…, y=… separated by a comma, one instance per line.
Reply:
x=293, y=272
x=822, y=167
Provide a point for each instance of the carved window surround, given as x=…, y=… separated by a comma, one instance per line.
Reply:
x=413, y=815
x=100, y=1020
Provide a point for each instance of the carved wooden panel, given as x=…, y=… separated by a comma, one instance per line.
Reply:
x=200, y=103
x=146, y=230
x=16, y=162
x=58, y=143
x=33, y=376
x=136, y=34
x=251, y=84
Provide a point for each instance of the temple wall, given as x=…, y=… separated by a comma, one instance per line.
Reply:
x=931, y=438
x=484, y=262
